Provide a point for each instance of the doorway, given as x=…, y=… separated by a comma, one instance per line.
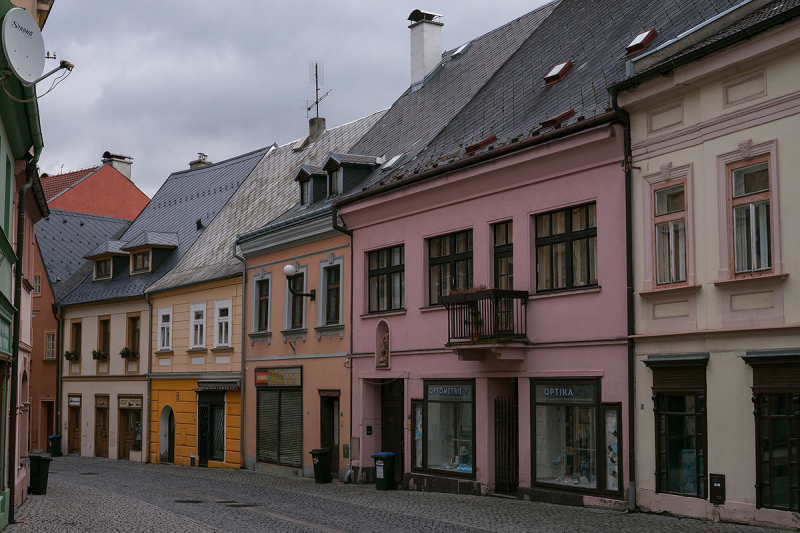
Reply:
x=130, y=432
x=74, y=429
x=166, y=435
x=392, y=423
x=330, y=424
x=210, y=427
x=101, y=432
x=48, y=409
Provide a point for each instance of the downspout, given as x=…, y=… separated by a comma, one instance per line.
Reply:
x=242, y=371
x=624, y=118
x=13, y=464
x=59, y=343
x=149, y=358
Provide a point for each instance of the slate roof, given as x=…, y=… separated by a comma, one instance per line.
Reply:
x=64, y=238
x=268, y=191
x=183, y=198
x=108, y=247
x=515, y=102
x=350, y=158
x=152, y=238
x=55, y=184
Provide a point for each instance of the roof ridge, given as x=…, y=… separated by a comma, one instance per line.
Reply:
x=89, y=215
x=61, y=174
x=218, y=164
x=340, y=125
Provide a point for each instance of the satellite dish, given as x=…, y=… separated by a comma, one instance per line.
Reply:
x=23, y=45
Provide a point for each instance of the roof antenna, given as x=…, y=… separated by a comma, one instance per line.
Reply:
x=316, y=75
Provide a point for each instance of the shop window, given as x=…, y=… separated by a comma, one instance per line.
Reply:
x=387, y=279
x=197, y=313
x=670, y=227
x=566, y=249
x=566, y=427
x=504, y=255
x=263, y=305
x=140, y=262
x=416, y=410
x=222, y=318
x=49, y=345
x=446, y=431
x=165, y=328
x=449, y=264
x=279, y=424
x=750, y=202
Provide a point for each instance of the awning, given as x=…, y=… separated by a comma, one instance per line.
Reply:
x=218, y=384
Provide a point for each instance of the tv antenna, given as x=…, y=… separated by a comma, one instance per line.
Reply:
x=316, y=75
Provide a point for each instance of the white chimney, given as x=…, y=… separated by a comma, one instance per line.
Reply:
x=426, y=43
x=120, y=162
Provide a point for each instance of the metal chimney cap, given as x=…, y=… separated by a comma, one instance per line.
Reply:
x=418, y=15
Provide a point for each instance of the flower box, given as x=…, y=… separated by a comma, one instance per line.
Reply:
x=72, y=356
x=99, y=354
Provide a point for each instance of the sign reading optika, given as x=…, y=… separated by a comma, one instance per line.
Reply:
x=278, y=377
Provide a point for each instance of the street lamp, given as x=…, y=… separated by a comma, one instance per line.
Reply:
x=289, y=271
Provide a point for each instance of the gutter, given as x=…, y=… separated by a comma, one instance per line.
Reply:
x=242, y=403
x=59, y=346
x=149, y=359
x=624, y=118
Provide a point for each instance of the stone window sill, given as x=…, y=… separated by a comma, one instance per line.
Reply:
x=670, y=290
x=330, y=331
x=260, y=337
x=197, y=350
x=766, y=278
x=384, y=313
x=164, y=352
x=222, y=349
x=294, y=334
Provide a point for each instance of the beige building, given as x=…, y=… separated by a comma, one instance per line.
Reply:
x=714, y=121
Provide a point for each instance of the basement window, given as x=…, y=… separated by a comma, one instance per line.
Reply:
x=557, y=73
x=641, y=41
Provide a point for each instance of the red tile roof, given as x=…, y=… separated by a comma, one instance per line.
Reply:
x=56, y=183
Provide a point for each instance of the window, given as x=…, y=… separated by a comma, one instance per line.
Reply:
x=670, y=225
x=140, y=261
x=222, y=317
x=305, y=192
x=333, y=182
x=104, y=341
x=387, y=279
x=165, y=328
x=504, y=256
x=566, y=248
x=557, y=73
x=447, y=427
x=641, y=41
x=197, y=312
x=263, y=305
x=37, y=284
x=102, y=268
x=449, y=264
x=751, y=218
x=134, y=333
x=49, y=345
x=76, y=336
x=296, y=302
x=332, y=298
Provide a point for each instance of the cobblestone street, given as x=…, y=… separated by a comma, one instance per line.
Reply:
x=86, y=494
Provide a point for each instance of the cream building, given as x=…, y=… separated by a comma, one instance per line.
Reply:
x=714, y=121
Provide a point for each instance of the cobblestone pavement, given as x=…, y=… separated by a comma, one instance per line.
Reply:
x=98, y=495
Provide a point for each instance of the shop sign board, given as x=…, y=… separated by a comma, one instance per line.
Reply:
x=74, y=401
x=130, y=403
x=572, y=393
x=5, y=336
x=278, y=377
x=450, y=392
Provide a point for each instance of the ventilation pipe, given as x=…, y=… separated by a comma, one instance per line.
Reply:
x=426, y=43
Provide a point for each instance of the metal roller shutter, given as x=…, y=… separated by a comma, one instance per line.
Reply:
x=291, y=428
x=267, y=437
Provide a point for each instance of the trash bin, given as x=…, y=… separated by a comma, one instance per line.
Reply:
x=384, y=470
x=40, y=466
x=54, y=445
x=322, y=465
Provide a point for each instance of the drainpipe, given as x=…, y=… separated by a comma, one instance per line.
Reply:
x=242, y=372
x=149, y=359
x=13, y=464
x=59, y=343
x=624, y=118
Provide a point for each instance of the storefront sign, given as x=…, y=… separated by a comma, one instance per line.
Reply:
x=278, y=377
x=5, y=336
x=565, y=393
x=74, y=401
x=130, y=403
x=450, y=392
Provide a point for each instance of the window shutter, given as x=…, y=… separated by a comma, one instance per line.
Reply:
x=291, y=428
x=684, y=374
x=268, y=425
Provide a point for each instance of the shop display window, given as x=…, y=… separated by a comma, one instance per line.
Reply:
x=444, y=436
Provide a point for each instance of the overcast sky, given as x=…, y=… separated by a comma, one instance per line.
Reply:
x=162, y=80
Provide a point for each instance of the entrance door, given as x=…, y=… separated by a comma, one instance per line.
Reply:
x=329, y=435
x=130, y=432
x=210, y=428
x=49, y=421
x=74, y=437
x=101, y=432
x=171, y=438
x=506, y=445
x=392, y=422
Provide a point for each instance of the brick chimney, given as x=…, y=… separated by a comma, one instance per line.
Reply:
x=201, y=161
x=121, y=163
x=426, y=43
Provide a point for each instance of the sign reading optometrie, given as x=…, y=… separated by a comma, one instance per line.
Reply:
x=565, y=393
x=449, y=392
x=278, y=377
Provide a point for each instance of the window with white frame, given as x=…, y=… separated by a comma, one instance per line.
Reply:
x=165, y=328
x=331, y=270
x=222, y=321
x=49, y=345
x=750, y=202
x=197, y=315
x=670, y=227
x=37, y=284
x=294, y=306
x=262, y=294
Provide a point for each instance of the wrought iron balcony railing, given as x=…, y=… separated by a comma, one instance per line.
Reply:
x=486, y=315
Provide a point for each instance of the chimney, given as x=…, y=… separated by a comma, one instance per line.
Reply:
x=201, y=161
x=122, y=163
x=426, y=44
x=316, y=127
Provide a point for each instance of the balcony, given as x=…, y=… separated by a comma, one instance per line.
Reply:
x=487, y=321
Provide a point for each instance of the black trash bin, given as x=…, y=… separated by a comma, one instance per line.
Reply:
x=322, y=465
x=40, y=467
x=54, y=445
x=384, y=470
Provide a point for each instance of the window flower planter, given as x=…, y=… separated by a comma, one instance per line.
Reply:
x=97, y=354
x=72, y=356
x=127, y=353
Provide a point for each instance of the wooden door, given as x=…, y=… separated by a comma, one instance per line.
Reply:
x=101, y=432
x=329, y=429
x=127, y=428
x=171, y=438
x=392, y=423
x=74, y=436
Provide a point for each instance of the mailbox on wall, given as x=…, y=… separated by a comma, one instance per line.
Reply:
x=717, y=482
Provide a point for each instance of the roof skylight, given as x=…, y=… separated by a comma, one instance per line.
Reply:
x=460, y=49
x=558, y=72
x=390, y=164
x=641, y=41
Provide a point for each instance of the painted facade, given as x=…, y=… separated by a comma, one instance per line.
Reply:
x=716, y=313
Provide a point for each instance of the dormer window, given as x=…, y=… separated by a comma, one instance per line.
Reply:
x=333, y=182
x=641, y=41
x=140, y=262
x=102, y=268
x=305, y=192
x=557, y=73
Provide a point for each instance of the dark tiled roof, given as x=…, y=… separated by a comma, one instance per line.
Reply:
x=108, y=247
x=309, y=170
x=55, y=184
x=350, y=158
x=152, y=238
x=593, y=35
x=65, y=237
x=182, y=199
